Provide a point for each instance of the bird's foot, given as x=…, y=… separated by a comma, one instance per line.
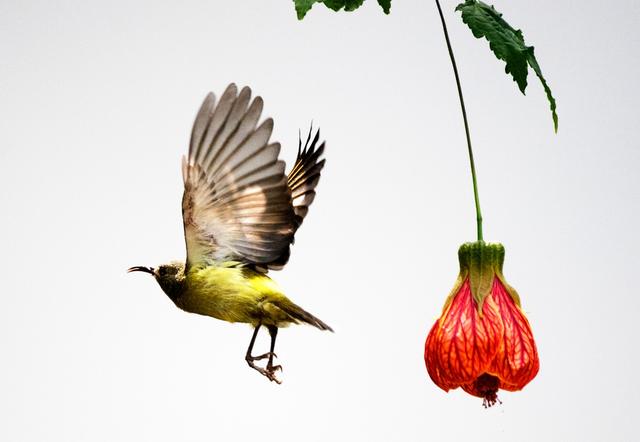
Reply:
x=269, y=372
x=264, y=356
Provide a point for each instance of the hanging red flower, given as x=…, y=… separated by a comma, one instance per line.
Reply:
x=482, y=342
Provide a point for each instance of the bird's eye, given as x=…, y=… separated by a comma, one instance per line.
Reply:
x=162, y=271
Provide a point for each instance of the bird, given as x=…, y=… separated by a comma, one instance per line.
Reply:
x=240, y=215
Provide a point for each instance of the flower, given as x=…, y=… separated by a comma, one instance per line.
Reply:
x=482, y=342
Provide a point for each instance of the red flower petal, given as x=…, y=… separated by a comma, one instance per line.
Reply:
x=516, y=362
x=462, y=344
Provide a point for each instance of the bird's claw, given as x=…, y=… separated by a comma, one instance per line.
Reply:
x=264, y=356
x=269, y=372
x=271, y=375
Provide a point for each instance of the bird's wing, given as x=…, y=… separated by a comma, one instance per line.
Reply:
x=237, y=203
x=302, y=180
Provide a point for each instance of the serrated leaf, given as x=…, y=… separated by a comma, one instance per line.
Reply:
x=303, y=6
x=347, y=5
x=385, y=5
x=507, y=44
x=547, y=90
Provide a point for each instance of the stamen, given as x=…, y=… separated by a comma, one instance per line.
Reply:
x=487, y=385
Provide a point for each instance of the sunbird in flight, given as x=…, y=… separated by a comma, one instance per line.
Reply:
x=240, y=214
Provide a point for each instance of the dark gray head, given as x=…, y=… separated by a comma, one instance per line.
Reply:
x=169, y=276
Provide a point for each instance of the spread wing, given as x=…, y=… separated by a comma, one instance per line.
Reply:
x=302, y=181
x=237, y=203
x=305, y=174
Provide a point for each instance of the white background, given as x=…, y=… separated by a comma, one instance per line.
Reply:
x=96, y=105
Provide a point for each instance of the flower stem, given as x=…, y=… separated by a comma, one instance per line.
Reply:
x=466, y=123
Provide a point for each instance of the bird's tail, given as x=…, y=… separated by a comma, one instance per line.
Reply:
x=301, y=315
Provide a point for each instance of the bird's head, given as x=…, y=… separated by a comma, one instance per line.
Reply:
x=169, y=276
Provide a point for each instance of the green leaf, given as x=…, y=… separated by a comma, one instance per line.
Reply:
x=303, y=6
x=547, y=90
x=348, y=5
x=507, y=44
x=385, y=5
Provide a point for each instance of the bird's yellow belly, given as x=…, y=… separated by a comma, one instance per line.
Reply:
x=231, y=294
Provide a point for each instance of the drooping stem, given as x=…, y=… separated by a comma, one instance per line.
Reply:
x=466, y=123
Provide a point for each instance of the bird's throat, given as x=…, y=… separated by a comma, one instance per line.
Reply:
x=173, y=286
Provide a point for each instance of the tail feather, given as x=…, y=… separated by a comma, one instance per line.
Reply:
x=300, y=314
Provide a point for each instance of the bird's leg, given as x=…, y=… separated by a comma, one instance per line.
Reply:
x=249, y=358
x=273, y=332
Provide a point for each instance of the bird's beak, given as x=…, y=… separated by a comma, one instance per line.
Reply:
x=141, y=269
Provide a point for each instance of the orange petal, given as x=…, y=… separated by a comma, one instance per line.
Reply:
x=462, y=344
x=516, y=362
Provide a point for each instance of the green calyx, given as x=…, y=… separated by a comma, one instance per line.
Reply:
x=481, y=263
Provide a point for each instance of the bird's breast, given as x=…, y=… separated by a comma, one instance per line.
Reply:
x=225, y=293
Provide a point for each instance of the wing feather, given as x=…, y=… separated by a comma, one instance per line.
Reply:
x=201, y=123
x=302, y=181
x=238, y=204
x=305, y=175
x=216, y=122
